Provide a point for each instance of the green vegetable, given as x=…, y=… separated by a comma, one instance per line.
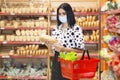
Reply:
x=68, y=56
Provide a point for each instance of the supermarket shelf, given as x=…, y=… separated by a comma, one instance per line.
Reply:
x=80, y=13
x=86, y=13
x=75, y=0
x=20, y=56
x=115, y=30
x=22, y=28
x=114, y=49
x=23, y=14
x=90, y=28
x=117, y=11
x=91, y=42
x=9, y=77
x=20, y=42
x=87, y=28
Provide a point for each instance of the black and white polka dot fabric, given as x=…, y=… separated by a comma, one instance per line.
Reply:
x=70, y=37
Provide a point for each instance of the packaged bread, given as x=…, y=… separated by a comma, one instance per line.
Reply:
x=18, y=33
x=47, y=38
x=2, y=37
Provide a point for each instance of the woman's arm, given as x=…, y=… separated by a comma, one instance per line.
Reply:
x=60, y=48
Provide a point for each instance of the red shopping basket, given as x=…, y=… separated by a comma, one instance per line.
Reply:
x=83, y=68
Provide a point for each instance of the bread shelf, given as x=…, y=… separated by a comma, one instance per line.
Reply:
x=90, y=28
x=23, y=14
x=20, y=42
x=18, y=56
x=27, y=77
x=22, y=28
x=80, y=13
x=74, y=0
x=92, y=42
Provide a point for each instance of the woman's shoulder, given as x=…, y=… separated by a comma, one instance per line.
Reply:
x=77, y=27
x=56, y=28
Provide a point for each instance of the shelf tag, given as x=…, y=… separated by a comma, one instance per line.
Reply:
x=2, y=28
x=6, y=56
x=12, y=13
x=54, y=13
x=4, y=42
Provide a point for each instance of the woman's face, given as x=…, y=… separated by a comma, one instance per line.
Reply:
x=62, y=16
x=61, y=12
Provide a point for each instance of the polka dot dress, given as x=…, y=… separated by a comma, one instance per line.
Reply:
x=70, y=37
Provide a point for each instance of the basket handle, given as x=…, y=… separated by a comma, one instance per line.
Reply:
x=84, y=54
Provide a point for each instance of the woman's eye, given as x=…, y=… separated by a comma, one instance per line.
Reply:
x=63, y=13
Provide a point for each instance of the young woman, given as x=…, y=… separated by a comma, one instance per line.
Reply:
x=69, y=35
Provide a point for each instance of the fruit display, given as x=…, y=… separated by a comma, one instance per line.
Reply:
x=72, y=56
x=110, y=5
x=112, y=21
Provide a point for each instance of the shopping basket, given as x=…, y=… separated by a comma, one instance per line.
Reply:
x=83, y=68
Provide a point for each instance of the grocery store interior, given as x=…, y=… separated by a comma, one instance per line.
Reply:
x=25, y=25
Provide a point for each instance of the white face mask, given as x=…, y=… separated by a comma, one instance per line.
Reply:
x=63, y=19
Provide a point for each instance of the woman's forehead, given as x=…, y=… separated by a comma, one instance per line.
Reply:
x=61, y=10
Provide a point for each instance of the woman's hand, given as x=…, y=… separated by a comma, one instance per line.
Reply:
x=58, y=47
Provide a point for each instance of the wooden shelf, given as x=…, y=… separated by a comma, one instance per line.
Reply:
x=23, y=14
x=21, y=28
x=20, y=56
x=73, y=0
x=91, y=42
x=86, y=13
x=79, y=13
x=20, y=42
x=117, y=11
x=28, y=77
x=90, y=28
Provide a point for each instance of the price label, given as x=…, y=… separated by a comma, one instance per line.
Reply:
x=6, y=56
x=54, y=13
x=2, y=28
x=4, y=42
x=12, y=13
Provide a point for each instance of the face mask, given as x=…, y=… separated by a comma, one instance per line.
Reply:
x=63, y=19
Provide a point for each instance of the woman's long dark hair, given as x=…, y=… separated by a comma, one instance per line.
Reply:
x=70, y=15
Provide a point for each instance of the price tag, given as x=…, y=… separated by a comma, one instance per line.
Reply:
x=54, y=13
x=6, y=56
x=4, y=42
x=2, y=28
x=12, y=13
x=42, y=43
